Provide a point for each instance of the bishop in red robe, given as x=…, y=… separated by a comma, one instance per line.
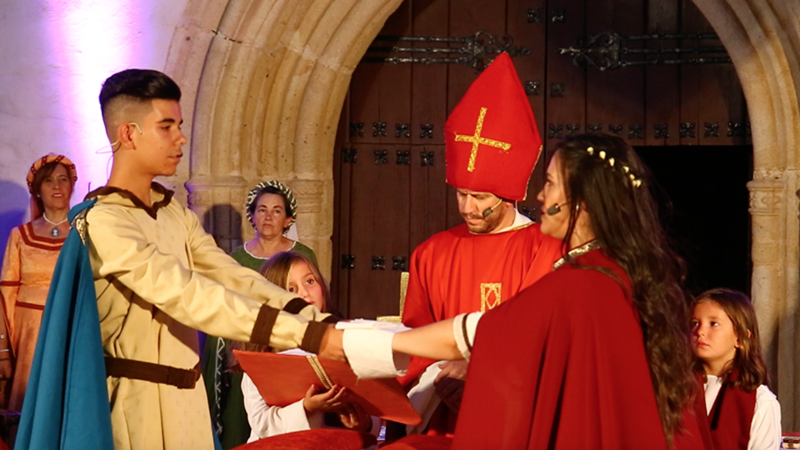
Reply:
x=492, y=146
x=457, y=272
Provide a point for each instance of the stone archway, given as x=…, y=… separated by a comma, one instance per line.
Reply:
x=270, y=78
x=763, y=39
x=269, y=92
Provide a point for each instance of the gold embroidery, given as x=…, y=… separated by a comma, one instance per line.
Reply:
x=477, y=140
x=320, y=371
x=403, y=289
x=487, y=289
x=576, y=252
x=79, y=224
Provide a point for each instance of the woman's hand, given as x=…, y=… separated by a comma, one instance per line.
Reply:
x=354, y=418
x=330, y=401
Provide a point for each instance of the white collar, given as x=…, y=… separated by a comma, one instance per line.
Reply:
x=519, y=222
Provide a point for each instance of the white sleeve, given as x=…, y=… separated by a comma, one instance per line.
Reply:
x=368, y=348
x=423, y=398
x=464, y=327
x=267, y=421
x=765, y=430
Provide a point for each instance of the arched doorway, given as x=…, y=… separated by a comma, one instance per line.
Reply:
x=687, y=120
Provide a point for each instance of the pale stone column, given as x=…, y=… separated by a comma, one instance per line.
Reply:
x=769, y=283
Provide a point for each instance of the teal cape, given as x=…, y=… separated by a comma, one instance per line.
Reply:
x=66, y=402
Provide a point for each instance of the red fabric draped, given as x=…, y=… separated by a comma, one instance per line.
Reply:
x=313, y=440
x=563, y=366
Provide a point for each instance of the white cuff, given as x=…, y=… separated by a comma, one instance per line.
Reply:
x=369, y=352
x=297, y=419
x=464, y=327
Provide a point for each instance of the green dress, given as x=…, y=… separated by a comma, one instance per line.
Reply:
x=224, y=388
x=247, y=259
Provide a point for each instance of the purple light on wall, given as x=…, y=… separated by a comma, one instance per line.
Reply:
x=90, y=40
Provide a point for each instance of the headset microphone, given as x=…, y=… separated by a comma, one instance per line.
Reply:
x=555, y=209
x=488, y=211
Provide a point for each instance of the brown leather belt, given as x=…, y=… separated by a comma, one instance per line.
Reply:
x=155, y=373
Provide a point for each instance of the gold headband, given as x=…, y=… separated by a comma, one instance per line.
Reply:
x=635, y=181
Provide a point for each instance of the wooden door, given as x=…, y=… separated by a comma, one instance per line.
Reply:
x=389, y=161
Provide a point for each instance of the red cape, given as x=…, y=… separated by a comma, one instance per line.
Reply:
x=454, y=269
x=562, y=366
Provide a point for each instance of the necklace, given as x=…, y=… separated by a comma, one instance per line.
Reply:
x=577, y=251
x=54, y=232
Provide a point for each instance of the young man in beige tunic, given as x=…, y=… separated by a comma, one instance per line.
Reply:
x=159, y=277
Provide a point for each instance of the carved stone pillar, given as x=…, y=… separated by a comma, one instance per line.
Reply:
x=774, y=211
x=767, y=208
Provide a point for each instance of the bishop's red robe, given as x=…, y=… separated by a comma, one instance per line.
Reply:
x=457, y=272
x=563, y=366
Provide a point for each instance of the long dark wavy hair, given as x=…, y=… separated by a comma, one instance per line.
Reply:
x=748, y=362
x=624, y=218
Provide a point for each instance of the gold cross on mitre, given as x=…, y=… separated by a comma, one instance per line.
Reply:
x=477, y=140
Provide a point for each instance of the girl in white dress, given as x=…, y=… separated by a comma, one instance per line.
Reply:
x=296, y=273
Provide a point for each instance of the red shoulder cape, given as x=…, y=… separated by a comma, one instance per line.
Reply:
x=562, y=366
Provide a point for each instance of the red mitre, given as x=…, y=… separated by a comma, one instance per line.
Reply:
x=491, y=135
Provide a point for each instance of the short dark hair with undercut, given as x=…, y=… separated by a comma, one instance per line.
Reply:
x=138, y=85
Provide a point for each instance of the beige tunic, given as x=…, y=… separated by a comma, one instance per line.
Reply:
x=159, y=277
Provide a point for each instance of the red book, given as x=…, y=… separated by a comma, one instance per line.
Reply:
x=284, y=379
